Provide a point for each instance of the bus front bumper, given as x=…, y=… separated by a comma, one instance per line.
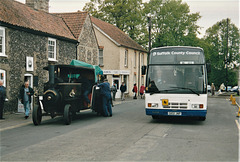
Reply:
x=164, y=112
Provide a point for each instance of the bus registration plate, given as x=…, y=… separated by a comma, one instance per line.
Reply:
x=175, y=113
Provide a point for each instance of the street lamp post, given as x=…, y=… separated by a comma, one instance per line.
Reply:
x=226, y=62
x=149, y=30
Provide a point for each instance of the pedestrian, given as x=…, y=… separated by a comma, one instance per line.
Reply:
x=2, y=99
x=212, y=89
x=134, y=90
x=106, y=97
x=142, y=89
x=123, y=89
x=25, y=97
x=114, y=91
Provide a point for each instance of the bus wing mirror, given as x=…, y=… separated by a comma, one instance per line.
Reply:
x=208, y=65
x=144, y=68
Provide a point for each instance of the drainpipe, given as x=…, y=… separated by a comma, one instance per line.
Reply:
x=77, y=51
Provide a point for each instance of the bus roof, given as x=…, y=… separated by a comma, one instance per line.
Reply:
x=176, y=47
x=177, y=55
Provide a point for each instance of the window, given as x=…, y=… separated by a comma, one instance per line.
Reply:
x=100, y=57
x=135, y=59
x=3, y=77
x=51, y=49
x=126, y=58
x=2, y=41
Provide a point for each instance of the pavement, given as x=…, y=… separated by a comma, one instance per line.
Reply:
x=15, y=120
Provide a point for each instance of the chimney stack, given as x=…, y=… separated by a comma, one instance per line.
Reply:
x=42, y=5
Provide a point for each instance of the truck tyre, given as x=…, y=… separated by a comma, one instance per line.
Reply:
x=37, y=115
x=67, y=116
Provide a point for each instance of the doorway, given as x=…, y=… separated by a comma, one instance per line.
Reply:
x=117, y=81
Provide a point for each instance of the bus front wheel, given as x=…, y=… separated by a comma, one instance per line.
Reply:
x=202, y=118
x=155, y=116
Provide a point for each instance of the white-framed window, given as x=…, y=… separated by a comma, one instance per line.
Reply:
x=101, y=57
x=52, y=49
x=126, y=58
x=135, y=59
x=2, y=41
x=3, y=76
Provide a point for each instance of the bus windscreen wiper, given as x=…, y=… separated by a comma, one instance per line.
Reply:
x=187, y=89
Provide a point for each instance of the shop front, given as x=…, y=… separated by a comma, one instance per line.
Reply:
x=117, y=77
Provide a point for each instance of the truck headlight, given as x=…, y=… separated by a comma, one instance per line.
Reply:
x=40, y=98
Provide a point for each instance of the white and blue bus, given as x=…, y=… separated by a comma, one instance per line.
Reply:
x=176, y=82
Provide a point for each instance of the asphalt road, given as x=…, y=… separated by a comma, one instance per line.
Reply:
x=129, y=135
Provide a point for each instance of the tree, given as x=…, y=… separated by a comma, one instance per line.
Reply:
x=172, y=23
x=223, y=38
x=125, y=14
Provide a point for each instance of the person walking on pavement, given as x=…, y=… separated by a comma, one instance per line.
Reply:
x=106, y=97
x=123, y=89
x=114, y=91
x=142, y=88
x=25, y=97
x=135, y=91
x=2, y=99
x=212, y=89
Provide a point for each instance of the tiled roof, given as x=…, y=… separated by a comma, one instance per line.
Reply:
x=18, y=14
x=74, y=21
x=117, y=35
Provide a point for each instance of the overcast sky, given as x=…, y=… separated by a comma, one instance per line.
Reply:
x=211, y=11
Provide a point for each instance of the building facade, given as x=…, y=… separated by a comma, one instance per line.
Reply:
x=120, y=57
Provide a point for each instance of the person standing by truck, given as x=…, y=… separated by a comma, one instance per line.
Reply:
x=106, y=97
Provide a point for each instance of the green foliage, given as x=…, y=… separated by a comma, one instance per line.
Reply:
x=173, y=24
x=216, y=38
x=125, y=14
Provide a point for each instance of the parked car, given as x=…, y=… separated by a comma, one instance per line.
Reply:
x=234, y=89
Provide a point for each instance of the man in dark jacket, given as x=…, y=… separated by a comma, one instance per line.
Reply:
x=123, y=89
x=2, y=98
x=106, y=96
x=25, y=97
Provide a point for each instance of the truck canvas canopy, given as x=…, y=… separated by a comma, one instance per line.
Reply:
x=98, y=70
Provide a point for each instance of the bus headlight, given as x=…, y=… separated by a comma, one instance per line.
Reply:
x=152, y=105
x=196, y=106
